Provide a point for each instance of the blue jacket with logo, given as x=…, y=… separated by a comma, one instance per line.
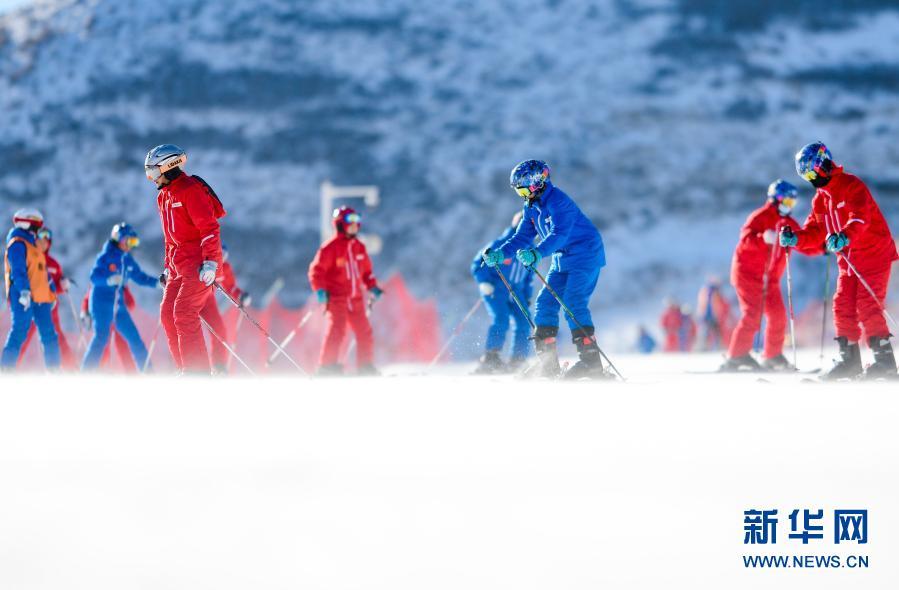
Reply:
x=515, y=272
x=566, y=233
x=114, y=261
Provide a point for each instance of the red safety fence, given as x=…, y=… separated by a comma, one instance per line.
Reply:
x=406, y=330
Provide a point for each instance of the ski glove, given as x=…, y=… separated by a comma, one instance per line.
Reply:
x=64, y=284
x=114, y=280
x=208, y=271
x=376, y=292
x=486, y=289
x=493, y=258
x=836, y=242
x=769, y=236
x=164, y=278
x=25, y=299
x=322, y=295
x=244, y=299
x=528, y=256
x=788, y=238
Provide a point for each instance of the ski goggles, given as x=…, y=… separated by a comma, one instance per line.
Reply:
x=154, y=172
x=44, y=234
x=526, y=192
x=130, y=241
x=788, y=202
x=351, y=218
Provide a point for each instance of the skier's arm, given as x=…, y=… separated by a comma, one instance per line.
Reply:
x=18, y=267
x=562, y=223
x=524, y=236
x=368, y=275
x=101, y=272
x=202, y=215
x=136, y=274
x=858, y=204
x=811, y=236
x=318, y=269
x=480, y=271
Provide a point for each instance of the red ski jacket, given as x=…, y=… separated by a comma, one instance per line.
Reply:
x=846, y=205
x=753, y=255
x=189, y=210
x=342, y=267
x=56, y=274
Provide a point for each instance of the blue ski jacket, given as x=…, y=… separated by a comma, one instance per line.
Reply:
x=515, y=272
x=566, y=233
x=114, y=261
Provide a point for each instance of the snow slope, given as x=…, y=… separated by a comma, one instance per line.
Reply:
x=439, y=482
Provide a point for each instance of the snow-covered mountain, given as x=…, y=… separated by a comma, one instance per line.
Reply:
x=665, y=119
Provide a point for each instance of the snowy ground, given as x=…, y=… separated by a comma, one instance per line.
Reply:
x=441, y=482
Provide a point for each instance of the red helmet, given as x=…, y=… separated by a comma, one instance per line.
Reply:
x=345, y=216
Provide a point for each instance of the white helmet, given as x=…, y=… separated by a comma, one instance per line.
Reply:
x=163, y=158
x=28, y=218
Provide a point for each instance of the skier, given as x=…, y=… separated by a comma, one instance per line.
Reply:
x=646, y=344
x=189, y=210
x=686, y=335
x=338, y=272
x=847, y=221
x=118, y=341
x=61, y=286
x=500, y=305
x=113, y=268
x=28, y=291
x=213, y=316
x=713, y=313
x=672, y=322
x=758, y=264
x=577, y=257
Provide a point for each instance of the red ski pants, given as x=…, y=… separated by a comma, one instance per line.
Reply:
x=854, y=308
x=341, y=312
x=182, y=301
x=750, y=288
x=213, y=317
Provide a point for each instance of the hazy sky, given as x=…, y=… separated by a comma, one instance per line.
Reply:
x=7, y=5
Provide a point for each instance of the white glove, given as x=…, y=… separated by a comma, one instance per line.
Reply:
x=486, y=289
x=770, y=236
x=208, y=271
x=65, y=284
x=114, y=280
x=25, y=299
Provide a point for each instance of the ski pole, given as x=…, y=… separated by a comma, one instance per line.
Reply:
x=225, y=344
x=515, y=298
x=824, y=301
x=765, y=281
x=260, y=328
x=81, y=338
x=456, y=332
x=790, y=302
x=152, y=345
x=867, y=287
x=234, y=343
x=574, y=319
x=290, y=336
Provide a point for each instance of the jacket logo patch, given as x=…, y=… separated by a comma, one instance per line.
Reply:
x=340, y=262
x=841, y=204
x=359, y=257
x=178, y=204
x=113, y=267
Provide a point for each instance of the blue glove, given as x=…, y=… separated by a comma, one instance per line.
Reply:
x=836, y=242
x=493, y=258
x=322, y=296
x=787, y=238
x=376, y=292
x=528, y=256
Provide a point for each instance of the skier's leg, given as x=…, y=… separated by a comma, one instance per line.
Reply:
x=870, y=313
x=123, y=351
x=358, y=320
x=776, y=326
x=125, y=326
x=102, y=319
x=546, y=318
x=749, y=296
x=18, y=331
x=335, y=330
x=498, y=308
x=65, y=351
x=167, y=316
x=213, y=317
x=43, y=317
x=848, y=332
x=190, y=300
x=579, y=288
x=521, y=344
x=31, y=330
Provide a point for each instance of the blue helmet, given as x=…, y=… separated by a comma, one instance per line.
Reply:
x=123, y=232
x=780, y=189
x=814, y=161
x=529, y=178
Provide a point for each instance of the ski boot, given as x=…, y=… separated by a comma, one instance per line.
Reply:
x=850, y=364
x=335, y=370
x=219, y=370
x=589, y=365
x=740, y=364
x=778, y=364
x=368, y=370
x=515, y=364
x=491, y=364
x=884, y=366
x=547, y=364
